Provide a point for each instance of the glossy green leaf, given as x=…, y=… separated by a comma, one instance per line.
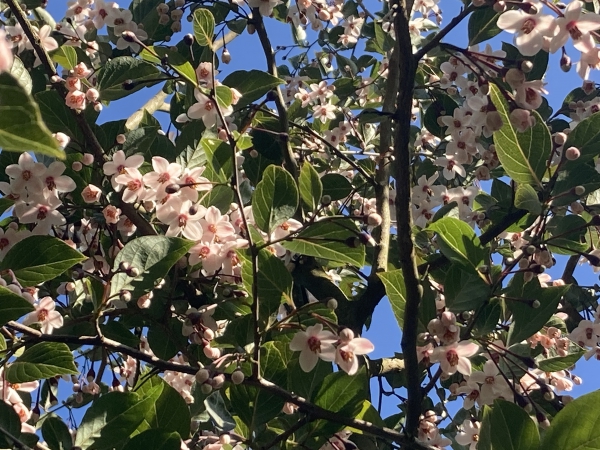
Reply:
x=527, y=198
x=153, y=256
x=56, y=434
x=395, y=290
x=111, y=419
x=527, y=320
x=557, y=363
x=176, y=60
x=508, y=427
x=204, y=27
x=21, y=125
x=482, y=25
x=576, y=426
x=155, y=438
x=275, y=198
x=586, y=137
x=125, y=68
x=311, y=188
x=334, y=241
x=523, y=155
x=12, y=306
x=273, y=279
x=252, y=84
x=464, y=289
x=40, y=258
x=21, y=74
x=9, y=421
x=305, y=384
x=57, y=115
x=217, y=410
x=41, y=361
x=65, y=56
x=458, y=241
x=336, y=186
x=167, y=409
x=224, y=96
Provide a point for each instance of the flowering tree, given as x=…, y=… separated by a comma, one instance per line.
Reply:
x=207, y=287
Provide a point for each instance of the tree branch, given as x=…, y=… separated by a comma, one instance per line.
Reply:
x=402, y=174
x=288, y=155
x=303, y=405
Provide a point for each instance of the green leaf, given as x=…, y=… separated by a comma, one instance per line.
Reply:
x=176, y=60
x=111, y=419
x=219, y=164
x=273, y=279
x=311, y=188
x=118, y=332
x=508, y=427
x=523, y=155
x=482, y=25
x=275, y=198
x=21, y=74
x=527, y=320
x=252, y=84
x=464, y=289
x=586, y=137
x=21, y=125
x=125, y=68
x=329, y=240
x=167, y=409
x=336, y=186
x=12, y=306
x=576, y=426
x=557, y=363
x=305, y=384
x=458, y=241
x=40, y=361
x=40, y=258
x=65, y=56
x=156, y=438
x=217, y=410
x=204, y=27
x=56, y=434
x=444, y=105
x=9, y=420
x=224, y=96
x=527, y=198
x=395, y=290
x=57, y=115
x=153, y=256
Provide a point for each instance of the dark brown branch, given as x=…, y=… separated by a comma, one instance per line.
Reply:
x=311, y=409
x=442, y=33
x=288, y=155
x=407, y=69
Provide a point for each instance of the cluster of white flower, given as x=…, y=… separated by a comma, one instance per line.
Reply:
x=316, y=12
x=10, y=394
x=341, y=348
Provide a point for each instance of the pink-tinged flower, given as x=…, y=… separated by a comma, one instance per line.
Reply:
x=529, y=94
x=126, y=226
x=216, y=227
x=586, y=333
x=120, y=165
x=312, y=344
x=205, y=109
x=324, y=112
x=529, y=29
x=55, y=181
x=45, y=40
x=473, y=394
x=78, y=10
x=6, y=56
x=43, y=214
x=101, y=11
x=521, y=119
x=191, y=182
x=164, y=174
x=62, y=139
x=91, y=193
x=111, y=214
x=470, y=435
x=455, y=357
x=118, y=17
x=81, y=70
x=204, y=73
x=92, y=95
x=96, y=263
x=8, y=238
x=134, y=185
x=17, y=37
x=75, y=100
x=183, y=217
x=345, y=355
x=451, y=166
x=589, y=60
x=45, y=315
x=140, y=34
x=27, y=174
x=577, y=25
x=493, y=384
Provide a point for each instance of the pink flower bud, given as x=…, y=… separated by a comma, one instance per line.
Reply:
x=92, y=94
x=76, y=166
x=87, y=159
x=572, y=153
x=121, y=139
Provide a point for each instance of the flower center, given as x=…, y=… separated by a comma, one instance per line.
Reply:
x=134, y=185
x=50, y=183
x=42, y=315
x=3, y=243
x=452, y=357
x=42, y=213
x=574, y=31
x=528, y=26
x=26, y=174
x=314, y=344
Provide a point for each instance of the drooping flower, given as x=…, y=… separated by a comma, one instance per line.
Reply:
x=529, y=29
x=312, y=344
x=45, y=315
x=455, y=357
x=576, y=25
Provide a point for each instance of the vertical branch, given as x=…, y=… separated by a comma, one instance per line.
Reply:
x=407, y=69
x=288, y=155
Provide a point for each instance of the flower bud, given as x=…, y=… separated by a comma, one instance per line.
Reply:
x=374, y=219
x=332, y=304
x=588, y=87
x=218, y=381
x=565, y=63
x=578, y=190
x=515, y=78
x=572, y=153
x=164, y=19
x=176, y=26
x=202, y=376
x=326, y=200
x=129, y=36
x=237, y=377
x=76, y=166
x=206, y=388
x=162, y=8
x=224, y=439
x=225, y=56
x=535, y=304
x=121, y=139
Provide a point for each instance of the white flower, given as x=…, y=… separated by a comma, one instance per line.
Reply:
x=6, y=56
x=312, y=344
x=45, y=315
x=455, y=357
x=529, y=29
x=470, y=435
